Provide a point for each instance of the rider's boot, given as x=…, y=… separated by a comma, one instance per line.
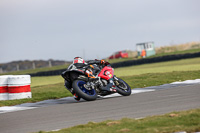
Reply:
x=77, y=98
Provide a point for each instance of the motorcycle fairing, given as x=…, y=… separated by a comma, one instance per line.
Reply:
x=106, y=73
x=73, y=73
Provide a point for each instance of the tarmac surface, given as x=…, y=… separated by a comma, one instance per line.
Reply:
x=66, y=112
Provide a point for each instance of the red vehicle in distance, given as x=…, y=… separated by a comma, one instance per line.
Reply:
x=119, y=54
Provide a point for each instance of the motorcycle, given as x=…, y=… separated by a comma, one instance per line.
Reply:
x=89, y=88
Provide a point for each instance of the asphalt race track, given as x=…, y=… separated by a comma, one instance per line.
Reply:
x=68, y=112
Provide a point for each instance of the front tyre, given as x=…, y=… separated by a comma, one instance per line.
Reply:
x=81, y=91
x=122, y=87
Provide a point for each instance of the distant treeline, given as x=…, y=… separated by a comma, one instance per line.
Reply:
x=27, y=64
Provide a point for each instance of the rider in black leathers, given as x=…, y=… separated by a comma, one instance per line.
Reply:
x=90, y=69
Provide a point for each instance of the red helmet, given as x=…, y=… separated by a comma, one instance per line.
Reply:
x=78, y=60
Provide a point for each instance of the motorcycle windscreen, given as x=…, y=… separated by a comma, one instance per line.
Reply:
x=106, y=73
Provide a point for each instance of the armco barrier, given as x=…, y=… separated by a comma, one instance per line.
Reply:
x=15, y=87
x=130, y=63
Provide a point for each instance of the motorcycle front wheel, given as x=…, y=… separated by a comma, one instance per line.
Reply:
x=122, y=87
x=87, y=94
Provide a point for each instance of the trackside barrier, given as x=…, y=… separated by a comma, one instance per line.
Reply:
x=15, y=87
x=48, y=73
x=3, y=87
x=155, y=59
x=130, y=63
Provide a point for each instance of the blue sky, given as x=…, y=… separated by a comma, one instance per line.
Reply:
x=63, y=29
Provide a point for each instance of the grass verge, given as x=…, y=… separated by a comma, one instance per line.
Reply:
x=40, y=93
x=162, y=67
x=54, y=91
x=155, y=79
x=46, y=80
x=188, y=121
x=177, y=52
x=158, y=68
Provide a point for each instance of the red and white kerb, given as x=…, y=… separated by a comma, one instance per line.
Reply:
x=3, y=88
x=17, y=87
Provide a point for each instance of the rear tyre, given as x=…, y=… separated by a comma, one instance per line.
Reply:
x=81, y=91
x=122, y=87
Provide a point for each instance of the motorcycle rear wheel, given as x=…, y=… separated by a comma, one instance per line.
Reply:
x=123, y=88
x=82, y=92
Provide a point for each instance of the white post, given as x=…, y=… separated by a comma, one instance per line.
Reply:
x=17, y=67
x=1, y=70
x=33, y=65
x=50, y=65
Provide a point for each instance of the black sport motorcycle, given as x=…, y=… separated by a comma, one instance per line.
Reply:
x=81, y=85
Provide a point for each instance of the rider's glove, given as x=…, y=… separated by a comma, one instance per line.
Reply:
x=103, y=62
x=107, y=63
x=91, y=66
x=89, y=74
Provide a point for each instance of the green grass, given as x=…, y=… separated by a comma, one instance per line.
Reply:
x=40, y=93
x=159, y=68
x=177, y=52
x=52, y=87
x=55, y=91
x=46, y=80
x=155, y=79
x=162, y=67
x=188, y=121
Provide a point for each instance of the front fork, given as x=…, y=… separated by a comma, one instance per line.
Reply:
x=115, y=79
x=89, y=85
